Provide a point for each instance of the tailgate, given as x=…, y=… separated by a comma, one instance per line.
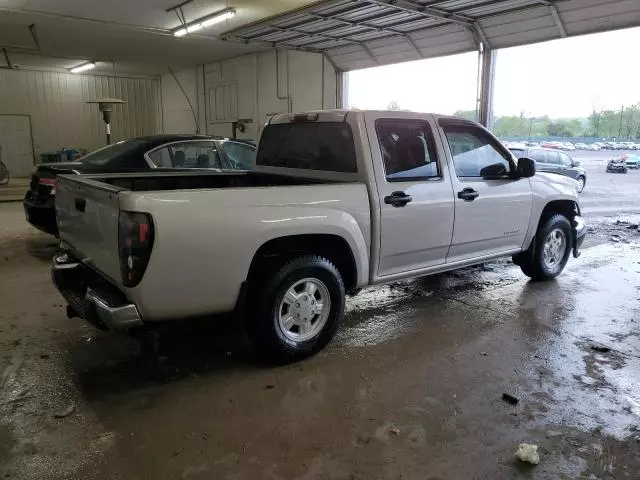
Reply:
x=87, y=212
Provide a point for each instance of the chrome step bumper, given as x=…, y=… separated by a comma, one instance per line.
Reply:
x=92, y=297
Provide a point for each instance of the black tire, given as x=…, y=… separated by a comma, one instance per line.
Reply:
x=532, y=262
x=4, y=174
x=262, y=322
x=584, y=182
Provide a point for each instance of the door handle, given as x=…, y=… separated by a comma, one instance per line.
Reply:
x=80, y=204
x=398, y=199
x=468, y=194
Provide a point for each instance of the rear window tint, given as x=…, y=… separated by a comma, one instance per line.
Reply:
x=312, y=146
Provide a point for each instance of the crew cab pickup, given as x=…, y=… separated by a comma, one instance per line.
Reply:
x=338, y=200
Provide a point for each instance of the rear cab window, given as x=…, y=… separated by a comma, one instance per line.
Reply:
x=324, y=146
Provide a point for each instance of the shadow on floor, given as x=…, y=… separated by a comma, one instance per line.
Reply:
x=109, y=363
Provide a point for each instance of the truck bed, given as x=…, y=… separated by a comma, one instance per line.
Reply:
x=198, y=180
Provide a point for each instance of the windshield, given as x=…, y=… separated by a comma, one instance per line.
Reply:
x=104, y=155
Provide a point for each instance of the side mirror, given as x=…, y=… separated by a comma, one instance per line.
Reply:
x=526, y=167
x=493, y=171
x=576, y=163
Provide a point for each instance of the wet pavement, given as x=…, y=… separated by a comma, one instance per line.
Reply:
x=411, y=388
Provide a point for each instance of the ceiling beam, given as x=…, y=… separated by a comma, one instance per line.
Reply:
x=556, y=18
x=426, y=12
x=387, y=29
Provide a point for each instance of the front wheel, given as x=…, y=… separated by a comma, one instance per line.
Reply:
x=550, y=250
x=581, y=182
x=298, y=309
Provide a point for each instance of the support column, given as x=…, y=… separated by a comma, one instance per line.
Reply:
x=486, y=81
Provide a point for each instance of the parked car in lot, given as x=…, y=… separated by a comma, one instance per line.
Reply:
x=338, y=200
x=567, y=146
x=631, y=161
x=592, y=147
x=581, y=146
x=616, y=165
x=156, y=153
x=548, y=160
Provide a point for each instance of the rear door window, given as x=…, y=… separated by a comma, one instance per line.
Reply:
x=199, y=154
x=324, y=146
x=408, y=150
x=238, y=156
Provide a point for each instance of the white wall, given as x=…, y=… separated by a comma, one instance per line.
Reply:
x=60, y=116
x=177, y=115
x=248, y=88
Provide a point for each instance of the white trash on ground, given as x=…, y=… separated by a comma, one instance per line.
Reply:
x=528, y=453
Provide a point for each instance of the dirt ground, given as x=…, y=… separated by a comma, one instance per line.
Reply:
x=411, y=388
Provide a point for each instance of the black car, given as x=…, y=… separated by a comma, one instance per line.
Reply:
x=548, y=160
x=154, y=153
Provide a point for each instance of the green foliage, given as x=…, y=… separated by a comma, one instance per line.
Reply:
x=623, y=123
x=468, y=114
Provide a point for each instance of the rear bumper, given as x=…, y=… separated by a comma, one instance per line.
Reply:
x=92, y=297
x=41, y=215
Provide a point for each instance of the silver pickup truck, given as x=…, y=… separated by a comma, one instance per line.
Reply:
x=338, y=200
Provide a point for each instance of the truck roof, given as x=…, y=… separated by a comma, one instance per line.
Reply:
x=338, y=115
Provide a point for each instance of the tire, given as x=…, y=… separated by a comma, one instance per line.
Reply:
x=581, y=183
x=534, y=263
x=270, y=323
x=624, y=170
x=4, y=174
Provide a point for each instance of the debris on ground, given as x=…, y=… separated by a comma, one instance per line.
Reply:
x=269, y=387
x=528, y=453
x=616, y=238
x=394, y=430
x=484, y=354
x=600, y=348
x=66, y=412
x=507, y=397
x=633, y=226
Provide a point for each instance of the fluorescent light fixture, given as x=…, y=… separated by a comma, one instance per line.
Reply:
x=194, y=27
x=220, y=17
x=203, y=22
x=83, y=68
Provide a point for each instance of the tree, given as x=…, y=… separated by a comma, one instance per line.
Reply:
x=468, y=114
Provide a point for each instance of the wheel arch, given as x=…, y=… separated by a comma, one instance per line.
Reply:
x=275, y=252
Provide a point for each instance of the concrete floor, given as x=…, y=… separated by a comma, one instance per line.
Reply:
x=411, y=388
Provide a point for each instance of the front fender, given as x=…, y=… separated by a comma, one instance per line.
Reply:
x=548, y=188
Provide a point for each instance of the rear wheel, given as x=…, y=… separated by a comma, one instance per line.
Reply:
x=4, y=174
x=296, y=311
x=550, y=250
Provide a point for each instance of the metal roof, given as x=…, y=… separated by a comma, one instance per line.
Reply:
x=365, y=33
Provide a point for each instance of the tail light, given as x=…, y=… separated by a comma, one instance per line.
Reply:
x=135, y=241
x=48, y=182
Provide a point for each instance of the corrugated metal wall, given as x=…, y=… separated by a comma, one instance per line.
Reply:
x=61, y=118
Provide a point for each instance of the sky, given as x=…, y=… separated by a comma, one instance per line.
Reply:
x=560, y=78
